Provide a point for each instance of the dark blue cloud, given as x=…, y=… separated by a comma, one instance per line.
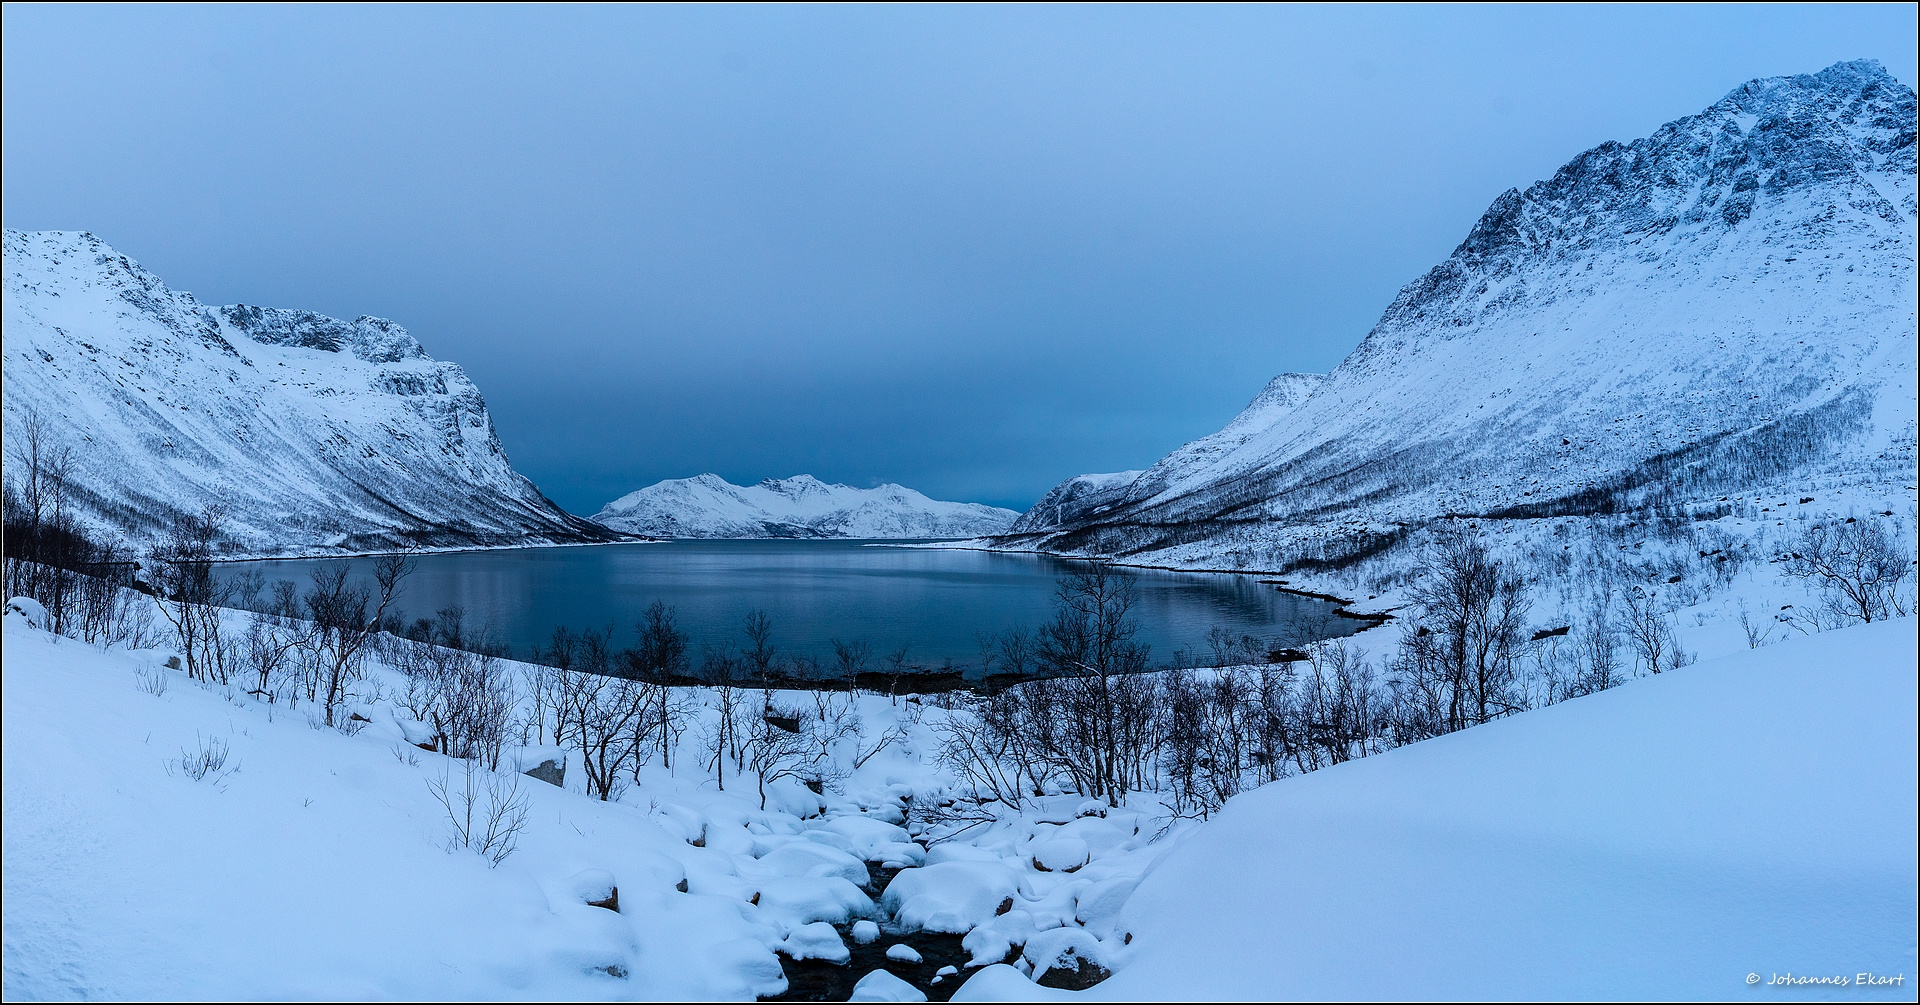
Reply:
x=971, y=250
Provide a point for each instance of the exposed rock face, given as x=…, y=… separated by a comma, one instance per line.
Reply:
x=317, y=435
x=708, y=506
x=1726, y=304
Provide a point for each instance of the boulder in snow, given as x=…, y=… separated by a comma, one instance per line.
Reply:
x=815, y=941
x=881, y=986
x=950, y=897
x=1069, y=958
x=595, y=888
x=803, y=899
x=810, y=858
x=1060, y=854
x=28, y=610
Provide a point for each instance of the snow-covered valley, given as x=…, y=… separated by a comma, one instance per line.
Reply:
x=707, y=506
x=314, y=435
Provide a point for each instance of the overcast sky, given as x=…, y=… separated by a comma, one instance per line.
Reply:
x=971, y=250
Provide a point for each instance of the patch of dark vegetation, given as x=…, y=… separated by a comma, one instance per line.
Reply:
x=1346, y=551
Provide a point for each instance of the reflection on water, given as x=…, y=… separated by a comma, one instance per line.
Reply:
x=933, y=602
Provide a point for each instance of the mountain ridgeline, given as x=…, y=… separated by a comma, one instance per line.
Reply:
x=1728, y=304
x=314, y=435
x=707, y=506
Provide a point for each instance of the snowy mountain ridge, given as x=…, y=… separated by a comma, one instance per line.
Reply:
x=1725, y=306
x=708, y=506
x=316, y=435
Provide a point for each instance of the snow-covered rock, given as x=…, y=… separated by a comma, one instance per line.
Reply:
x=1725, y=304
x=881, y=986
x=950, y=896
x=317, y=435
x=708, y=506
x=29, y=611
x=1060, y=854
x=816, y=941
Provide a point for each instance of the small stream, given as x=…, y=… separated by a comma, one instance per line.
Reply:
x=820, y=981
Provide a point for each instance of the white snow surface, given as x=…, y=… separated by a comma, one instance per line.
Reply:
x=1664, y=839
x=317, y=435
x=708, y=506
x=1754, y=812
x=1725, y=306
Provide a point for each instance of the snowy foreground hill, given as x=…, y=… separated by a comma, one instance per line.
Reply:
x=317, y=435
x=708, y=506
x=1752, y=814
x=1724, y=307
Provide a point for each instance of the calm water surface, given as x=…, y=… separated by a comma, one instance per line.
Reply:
x=934, y=602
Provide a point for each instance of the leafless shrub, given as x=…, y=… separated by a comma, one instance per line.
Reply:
x=467, y=698
x=486, y=809
x=1860, y=565
x=154, y=681
x=207, y=760
x=269, y=653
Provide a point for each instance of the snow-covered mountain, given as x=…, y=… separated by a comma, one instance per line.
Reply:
x=1085, y=497
x=708, y=506
x=1725, y=305
x=317, y=435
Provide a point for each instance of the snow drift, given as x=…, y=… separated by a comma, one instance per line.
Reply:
x=1724, y=305
x=708, y=506
x=1661, y=840
x=316, y=434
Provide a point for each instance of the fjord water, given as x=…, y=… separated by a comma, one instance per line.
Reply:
x=932, y=601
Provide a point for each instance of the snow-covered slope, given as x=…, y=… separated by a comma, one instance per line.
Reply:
x=1726, y=304
x=1084, y=498
x=708, y=506
x=316, y=434
x=1752, y=814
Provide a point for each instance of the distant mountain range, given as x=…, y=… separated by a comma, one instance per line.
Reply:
x=708, y=506
x=1726, y=305
x=316, y=435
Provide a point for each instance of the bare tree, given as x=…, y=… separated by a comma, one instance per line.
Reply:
x=270, y=649
x=1457, y=663
x=191, y=597
x=660, y=659
x=773, y=750
x=1649, y=631
x=466, y=697
x=721, y=669
x=345, y=618
x=1859, y=565
x=1090, y=647
x=851, y=658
